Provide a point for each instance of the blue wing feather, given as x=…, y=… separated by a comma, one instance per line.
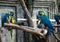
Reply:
x=4, y=18
x=57, y=19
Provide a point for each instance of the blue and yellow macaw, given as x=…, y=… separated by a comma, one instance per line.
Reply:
x=7, y=18
x=56, y=17
x=45, y=20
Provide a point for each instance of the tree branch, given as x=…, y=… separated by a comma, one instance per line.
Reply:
x=25, y=8
x=56, y=36
x=26, y=11
x=25, y=28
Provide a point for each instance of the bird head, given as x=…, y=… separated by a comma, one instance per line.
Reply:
x=12, y=13
x=41, y=13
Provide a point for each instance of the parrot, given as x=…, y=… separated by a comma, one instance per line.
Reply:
x=56, y=17
x=45, y=20
x=7, y=18
x=4, y=18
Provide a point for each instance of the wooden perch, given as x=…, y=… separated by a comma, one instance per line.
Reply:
x=56, y=36
x=27, y=29
x=58, y=26
x=55, y=25
x=30, y=29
